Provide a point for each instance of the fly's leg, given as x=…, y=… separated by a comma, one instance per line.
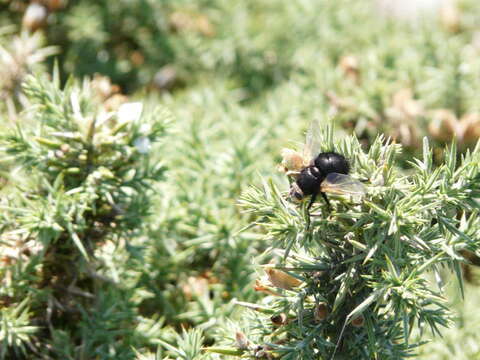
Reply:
x=329, y=207
x=293, y=173
x=326, y=200
x=312, y=200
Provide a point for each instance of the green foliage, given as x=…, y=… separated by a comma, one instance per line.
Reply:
x=459, y=341
x=20, y=55
x=243, y=79
x=365, y=262
x=15, y=331
x=147, y=35
x=87, y=181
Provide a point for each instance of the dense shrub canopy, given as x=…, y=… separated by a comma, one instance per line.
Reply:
x=131, y=231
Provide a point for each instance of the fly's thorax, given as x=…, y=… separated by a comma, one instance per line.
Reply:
x=308, y=182
x=315, y=172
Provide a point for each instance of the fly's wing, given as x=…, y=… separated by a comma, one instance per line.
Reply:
x=342, y=184
x=312, y=143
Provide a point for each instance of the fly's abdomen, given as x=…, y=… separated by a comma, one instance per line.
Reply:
x=332, y=162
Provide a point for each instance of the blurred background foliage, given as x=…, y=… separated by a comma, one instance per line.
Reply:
x=242, y=79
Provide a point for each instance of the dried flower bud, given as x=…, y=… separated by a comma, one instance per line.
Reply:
x=471, y=128
x=65, y=148
x=137, y=58
x=195, y=287
x=279, y=319
x=165, y=78
x=320, y=312
x=102, y=86
x=471, y=257
x=450, y=17
x=402, y=114
x=241, y=341
x=114, y=102
x=349, y=65
x=35, y=17
x=281, y=279
x=59, y=154
x=358, y=321
x=54, y=5
x=404, y=102
x=179, y=21
x=444, y=125
x=265, y=288
x=337, y=102
x=263, y=352
x=204, y=26
x=5, y=300
x=6, y=260
x=187, y=21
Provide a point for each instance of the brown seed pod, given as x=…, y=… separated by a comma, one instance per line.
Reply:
x=35, y=17
x=102, y=87
x=166, y=78
x=6, y=260
x=450, y=17
x=358, y=321
x=403, y=100
x=337, y=102
x=137, y=58
x=471, y=128
x=402, y=115
x=444, y=125
x=349, y=66
x=114, y=102
x=279, y=319
x=265, y=288
x=54, y=5
x=281, y=279
x=191, y=22
x=320, y=312
x=204, y=26
x=195, y=287
x=241, y=341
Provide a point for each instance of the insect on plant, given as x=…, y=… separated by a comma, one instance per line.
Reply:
x=318, y=172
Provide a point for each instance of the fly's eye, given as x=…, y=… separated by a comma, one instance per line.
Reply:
x=298, y=196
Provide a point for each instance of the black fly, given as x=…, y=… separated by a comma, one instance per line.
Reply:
x=318, y=173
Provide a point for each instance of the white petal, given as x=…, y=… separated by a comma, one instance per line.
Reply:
x=129, y=112
x=142, y=144
x=75, y=102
